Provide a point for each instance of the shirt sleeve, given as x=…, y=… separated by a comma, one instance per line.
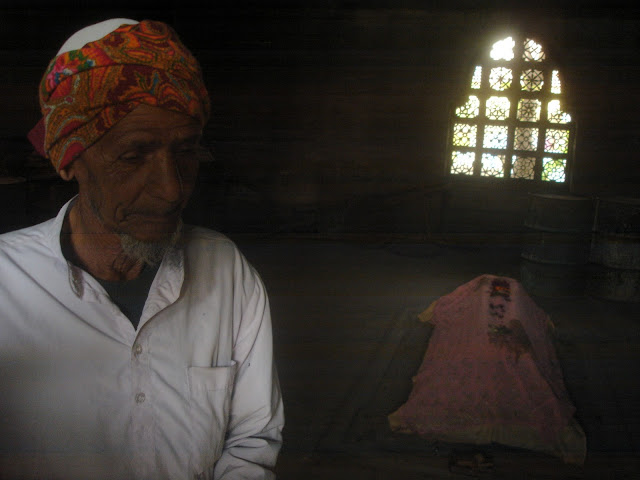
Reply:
x=254, y=433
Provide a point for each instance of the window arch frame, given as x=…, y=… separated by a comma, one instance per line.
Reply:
x=514, y=93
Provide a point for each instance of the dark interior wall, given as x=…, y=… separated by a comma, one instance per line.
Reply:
x=333, y=116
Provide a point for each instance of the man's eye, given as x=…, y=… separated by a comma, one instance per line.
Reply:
x=136, y=155
x=186, y=150
x=132, y=157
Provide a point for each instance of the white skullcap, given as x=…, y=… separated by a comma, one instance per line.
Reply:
x=92, y=33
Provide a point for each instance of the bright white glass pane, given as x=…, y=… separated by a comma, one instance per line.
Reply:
x=476, y=80
x=471, y=109
x=495, y=136
x=462, y=162
x=556, y=86
x=503, y=49
x=555, y=113
x=532, y=51
x=492, y=165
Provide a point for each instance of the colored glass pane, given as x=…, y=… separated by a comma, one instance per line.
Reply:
x=556, y=141
x=464, y=135
x=554, y=169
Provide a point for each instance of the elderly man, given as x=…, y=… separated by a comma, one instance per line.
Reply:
x=131, y=346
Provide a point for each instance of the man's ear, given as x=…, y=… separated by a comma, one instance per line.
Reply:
x=68, y=172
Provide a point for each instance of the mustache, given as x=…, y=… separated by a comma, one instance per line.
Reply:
x=172, y=212
x=155, y=212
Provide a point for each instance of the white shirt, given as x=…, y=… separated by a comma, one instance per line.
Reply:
x=192, y=394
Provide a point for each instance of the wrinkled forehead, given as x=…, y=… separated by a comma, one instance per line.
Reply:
x=154, y=124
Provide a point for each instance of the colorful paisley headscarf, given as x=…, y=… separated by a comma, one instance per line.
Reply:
x=86, y=91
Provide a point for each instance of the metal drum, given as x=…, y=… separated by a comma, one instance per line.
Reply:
x=615, y=251
x=556, y=246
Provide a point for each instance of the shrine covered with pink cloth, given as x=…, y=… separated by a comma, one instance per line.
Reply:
x=490, y=374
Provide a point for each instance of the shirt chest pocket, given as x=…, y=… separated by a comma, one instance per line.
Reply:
x=210, y=390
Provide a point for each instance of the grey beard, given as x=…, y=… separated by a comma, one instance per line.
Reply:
x=150, y=253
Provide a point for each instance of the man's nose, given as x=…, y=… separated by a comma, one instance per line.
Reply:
x=167, y=178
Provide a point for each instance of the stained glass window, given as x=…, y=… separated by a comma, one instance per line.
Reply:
x=513, y=124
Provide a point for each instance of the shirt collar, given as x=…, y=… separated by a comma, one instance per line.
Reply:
x=165, y=288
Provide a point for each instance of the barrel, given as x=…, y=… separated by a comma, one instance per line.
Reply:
x=615, y=250
x=556, y=244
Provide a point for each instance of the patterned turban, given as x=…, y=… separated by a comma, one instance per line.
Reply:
x=86, y=91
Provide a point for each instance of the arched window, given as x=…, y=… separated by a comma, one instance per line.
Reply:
x=512, y=125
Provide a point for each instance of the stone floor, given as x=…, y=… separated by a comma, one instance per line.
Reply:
x=348, y=342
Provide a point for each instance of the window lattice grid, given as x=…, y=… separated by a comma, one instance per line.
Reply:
x=520, y=130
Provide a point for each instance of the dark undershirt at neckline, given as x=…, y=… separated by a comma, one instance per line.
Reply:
x=131, y=295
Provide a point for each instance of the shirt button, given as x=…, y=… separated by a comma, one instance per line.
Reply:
x=137, y=349
x=140, y=397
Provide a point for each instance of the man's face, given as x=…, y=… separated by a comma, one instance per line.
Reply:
x=139, y=176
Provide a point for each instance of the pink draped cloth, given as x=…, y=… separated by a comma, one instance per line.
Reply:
x=490, y=374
